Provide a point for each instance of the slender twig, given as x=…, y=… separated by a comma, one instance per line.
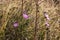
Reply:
x=47, y=32
x=47, y=26
x=35, y=34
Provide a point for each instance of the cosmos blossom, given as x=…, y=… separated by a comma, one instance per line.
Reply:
x=25, y=16
x=15, y=24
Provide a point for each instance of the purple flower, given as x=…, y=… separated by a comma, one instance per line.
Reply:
x=25, y=16
x=15, y=24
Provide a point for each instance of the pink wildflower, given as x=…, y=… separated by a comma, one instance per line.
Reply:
x=25, y=16
x=47, y=17
x=15, y=24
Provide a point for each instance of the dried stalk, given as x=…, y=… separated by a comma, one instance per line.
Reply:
x=47, y=34
x=47, y=26
x=36, y=25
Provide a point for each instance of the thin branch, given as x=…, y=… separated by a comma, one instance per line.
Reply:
x=35, y=34
x=47, y=26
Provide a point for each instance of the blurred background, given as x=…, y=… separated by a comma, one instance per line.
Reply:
x=26, y=20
